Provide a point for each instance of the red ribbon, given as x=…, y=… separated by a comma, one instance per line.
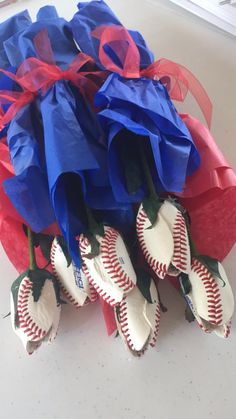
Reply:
x=36, y=74
x=17, y=100
x=180, y=79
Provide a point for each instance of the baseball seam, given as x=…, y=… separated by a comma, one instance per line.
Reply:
x=112, y=264
x=181, y=245
x=26, y=323
x=65, y=291
x=159, y=268
x=157, y=325
x=84, y=243
x=214, y=303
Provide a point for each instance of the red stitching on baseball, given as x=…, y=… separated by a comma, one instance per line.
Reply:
x=204, y=328
x=227, y=329
x=110, y=300
x=124, y=324
x=159, y=268
x=180, y=237
x=26, y=323
x=157, y=325
x=111, y=263
x=214, y=304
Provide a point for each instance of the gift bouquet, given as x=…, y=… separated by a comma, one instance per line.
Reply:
x=105, y=188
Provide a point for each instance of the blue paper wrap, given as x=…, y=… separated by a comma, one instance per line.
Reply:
x=73, y=158
x=93, y=14
x=11, y=26
x=143, y=107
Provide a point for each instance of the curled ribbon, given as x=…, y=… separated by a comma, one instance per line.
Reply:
x=118, y=53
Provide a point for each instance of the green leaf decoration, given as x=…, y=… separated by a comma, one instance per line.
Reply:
x=64, y=248
x=95, y=246
x=185, y=283
x=15, y=290
x=212, y=266
x=57, y=291
x=151, y=207
x=143, y=284
x=45, y=243
x=98, y=230
x=189, y=316
x=38, y=278
x=94, y=229
x=42, y=240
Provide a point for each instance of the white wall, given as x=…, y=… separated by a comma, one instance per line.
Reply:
x=87, y=375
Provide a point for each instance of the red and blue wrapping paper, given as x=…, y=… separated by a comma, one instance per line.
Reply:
x=215, y=174
x=28, y=189
x=117, y=51
x=135, y=98
x=16, y=24
x=129, y=104
x=25, y=142
x=76, y=146
x=143, y=107
x=13, y=238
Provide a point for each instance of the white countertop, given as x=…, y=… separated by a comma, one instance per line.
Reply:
x=85, y=374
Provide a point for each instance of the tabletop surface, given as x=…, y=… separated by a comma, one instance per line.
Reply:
x=85, y=374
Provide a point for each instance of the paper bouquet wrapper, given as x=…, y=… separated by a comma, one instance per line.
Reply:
x=68, y=118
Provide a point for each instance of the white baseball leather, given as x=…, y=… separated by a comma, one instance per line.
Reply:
x=29, y=346
x=181, y=259
x=66, y=277
x=116, y=260
x=133, y=323
x=224, y=330
x=226, y=293
x=37, y=321
x=97, y=276
x=36, y=318
x=211, y=301
x=111, y=272
x=51, y=336
x=152, y=314
x=138, y=321
x=157, y=243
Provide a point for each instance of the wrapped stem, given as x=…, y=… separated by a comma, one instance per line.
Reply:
x=147, y=171
x=32, y=257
